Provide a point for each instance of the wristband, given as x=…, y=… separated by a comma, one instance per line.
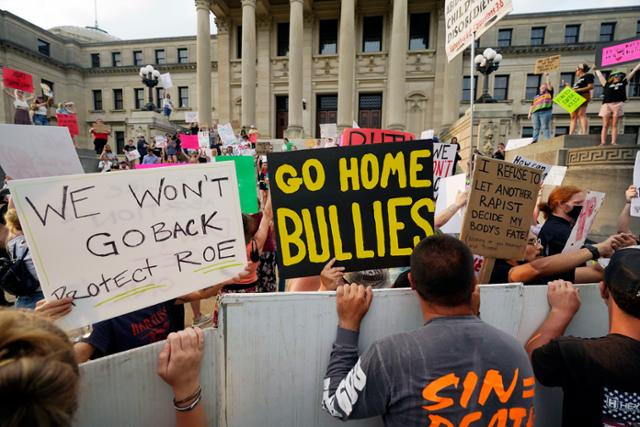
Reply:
x=190, y=406
x=595, y=253
x=187, y=399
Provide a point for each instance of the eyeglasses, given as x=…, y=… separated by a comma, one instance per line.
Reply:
x=534, y=242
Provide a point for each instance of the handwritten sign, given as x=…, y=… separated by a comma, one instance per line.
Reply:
x=226, y=134
x=569, y=99
x=101, y=128
x=328, y=130
x=368, y=205
x=131, y=239
x=246, y=176
x=618, y=52
x=16, y=79
x=189, y=142
x=160, y=141
x=203, y=139
x=361, y=136
x=635, y=202
x=191, y=117
x=444, y=163
x=544, y=65
x=37, y=151
x=132, y=155
x=592, y=203
x=514, y=144
x=448, y=190
x=464, y=19
x=542, y=167
x=69, y=121
x=500, y=208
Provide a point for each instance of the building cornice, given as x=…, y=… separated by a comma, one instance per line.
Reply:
x=37, y=56
x=548, y=48
x=597, y=11
x=6, y=14
x=143, y=41
x=129, y=69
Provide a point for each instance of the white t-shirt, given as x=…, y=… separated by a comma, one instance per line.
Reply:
x=167, y=103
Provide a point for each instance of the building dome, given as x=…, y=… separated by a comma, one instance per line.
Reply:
x=83, y=34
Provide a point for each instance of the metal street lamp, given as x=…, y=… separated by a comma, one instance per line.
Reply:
x=150, y=78
x=486, y=64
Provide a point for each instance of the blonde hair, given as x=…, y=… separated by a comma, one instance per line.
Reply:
x=13, y=223
x=38, y=373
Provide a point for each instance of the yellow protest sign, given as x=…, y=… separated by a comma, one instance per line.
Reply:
x=569, y=99
x=544, y=65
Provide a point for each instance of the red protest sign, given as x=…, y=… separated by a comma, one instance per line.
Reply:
x=359, y=136
x=15, y=79
x=70, y=121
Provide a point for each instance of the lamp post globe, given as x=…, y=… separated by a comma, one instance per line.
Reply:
x=486, y=64
x=150, y=77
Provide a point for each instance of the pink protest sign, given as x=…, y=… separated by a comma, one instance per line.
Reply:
x=16, y=79
x=70, y=121
x=618, y=52
x=189, y=142
x=158, y=165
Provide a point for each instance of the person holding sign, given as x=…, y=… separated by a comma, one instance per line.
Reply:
x=541, y=110
x=21, y=106
x=583, y=86
x=615, y=94
x=40, y=107
x=100, y=135
x=167, y=105
x=561, y=211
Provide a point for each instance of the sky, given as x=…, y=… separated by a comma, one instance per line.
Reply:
x=137, y=19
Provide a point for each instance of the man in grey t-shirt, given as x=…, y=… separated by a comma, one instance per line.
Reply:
x=454, y=371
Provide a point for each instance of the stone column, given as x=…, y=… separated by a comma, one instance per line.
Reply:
x=248, y=62
x=223, y=103
x=397, y=65
x=347, y=58
x=295, y=129
x=203, y=58
x=264, y=119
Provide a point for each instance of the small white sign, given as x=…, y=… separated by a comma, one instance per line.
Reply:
x=514, y=144
x=449, y=188
x=225, y=132
x=165, y=81
x=161, y=141
x=555, y=176
x=132, y=155
x=203, y=139
x=543, y=167
x=592, y=203
x=444, y=161
x=191, y=117
x=328, y=130
x=427, y=134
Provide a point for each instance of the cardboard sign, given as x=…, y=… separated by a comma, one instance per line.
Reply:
x=132, y=155
x=165, y=81
x=101, y=128
x=500, y=208
x=362, y=136
x=368, y=205
x=449, y=188
x=514, y=144
x=542, y=167
x=328, y=130
x=225, y=132
x=444, y=163
x=635, y=202
x=189, y=142
x=161, y=141
x=69, y=121
x=36, y=151
x=592, y=203
x=246, y=174
x=544, y=65
x=16, y=79
x=466, y=18
x=263, y=147
x=618, y=52
x=555, y=175
x=131, y=239
x=569, y=99
x=203, y=139
x=191, y=117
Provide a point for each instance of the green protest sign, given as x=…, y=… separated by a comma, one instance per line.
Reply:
x=569, y=99
x=246, y=174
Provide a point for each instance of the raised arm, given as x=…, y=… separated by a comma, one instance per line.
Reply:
x=263, y=230
x=625, y=216
x=633, y=72
x=603, y=81
x=443, y=217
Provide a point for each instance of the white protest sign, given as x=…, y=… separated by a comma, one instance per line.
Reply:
x=132, y=155
x=427, y=134
x=543, y=167
x=191, y=117
x=514, y=144
x=354, y=125
x=328, y=130
x=592, y=203
x=165, y=81
x=466, y=18
x=120, y=242
x=203, y=139
x=444, y=159
x=37, y=151
x=555, y=176
x=226, y=134
x=449, y=188
x=635, y=202
x=161, y=141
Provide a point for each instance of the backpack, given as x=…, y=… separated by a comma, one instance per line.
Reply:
x=15, y=277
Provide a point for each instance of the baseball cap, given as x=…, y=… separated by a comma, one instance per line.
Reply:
x=617, y=72
x=622, y=278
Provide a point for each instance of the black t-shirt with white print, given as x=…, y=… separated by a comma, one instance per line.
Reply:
x=615, y=92
x=600, y=378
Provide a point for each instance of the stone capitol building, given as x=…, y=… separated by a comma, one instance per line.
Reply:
x=287, y=66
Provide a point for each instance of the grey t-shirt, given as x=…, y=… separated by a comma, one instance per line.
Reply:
x=450, y=370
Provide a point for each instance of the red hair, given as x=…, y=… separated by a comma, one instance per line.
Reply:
x=559, y=195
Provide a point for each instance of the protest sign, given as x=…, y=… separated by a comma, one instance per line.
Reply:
x=69, y=121
x=427, y=134
x=544, y=65
x=306, y=143
x=569, y=99
x=618, y=52
x=226, y=134
x=263, y=147
x=444, y=163
x=15, y=79
x=46, y=90
x=165, y=81
x=368, y=205
x=500, y=208
x=101, y=128
x=191, y=117
x=189, y=142
x=555, y=175
x=466, y=18
x=328, y=130
x=514, y=144
x=354, y=125
x=635, y=202
x=246, y=176
x=203, y=139
x=449, y=189
x=361, y=136
x=157, y=165
x=592, y=203
x=35, y=151
x=542, y=167
x=132, y=155
x=161, y=141
x=131, y=239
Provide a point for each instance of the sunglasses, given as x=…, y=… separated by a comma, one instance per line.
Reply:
x=534, y=242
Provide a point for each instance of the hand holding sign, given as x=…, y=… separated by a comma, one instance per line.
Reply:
x=569, y=99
